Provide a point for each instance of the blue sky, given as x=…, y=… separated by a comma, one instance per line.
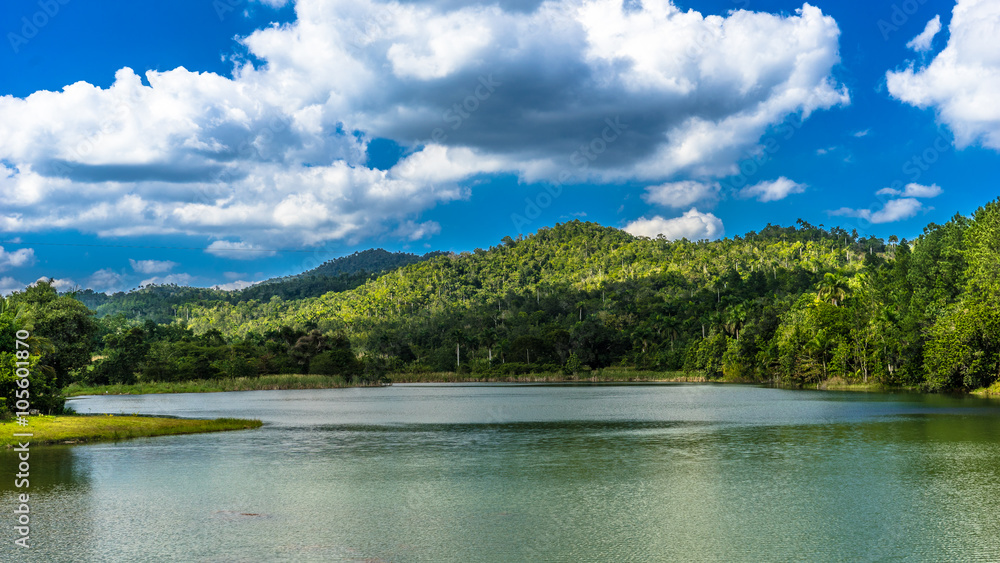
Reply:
x=224, y=142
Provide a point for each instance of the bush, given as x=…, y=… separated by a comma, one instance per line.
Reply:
x=573, y=365
x=339, y=361
x=515, y=368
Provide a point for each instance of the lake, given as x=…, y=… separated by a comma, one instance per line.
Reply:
x=484, y=472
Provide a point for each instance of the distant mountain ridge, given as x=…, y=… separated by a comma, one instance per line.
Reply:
x=372, y=261
x=161, y=303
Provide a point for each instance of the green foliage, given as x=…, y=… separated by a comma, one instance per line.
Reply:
x=63, y=321
x=964, y=348
x=42, y=389
x=798, y=305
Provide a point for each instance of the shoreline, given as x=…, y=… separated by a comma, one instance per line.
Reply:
x=294, y=382
x=48, y=430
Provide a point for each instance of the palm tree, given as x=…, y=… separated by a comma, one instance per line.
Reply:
x=736, y=317
x=832, y=288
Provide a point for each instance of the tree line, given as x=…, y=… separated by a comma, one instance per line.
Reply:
x=795, y=305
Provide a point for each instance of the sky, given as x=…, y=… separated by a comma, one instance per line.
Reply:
x=223, y=142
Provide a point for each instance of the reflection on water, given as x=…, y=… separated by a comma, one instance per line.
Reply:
x=530, y=473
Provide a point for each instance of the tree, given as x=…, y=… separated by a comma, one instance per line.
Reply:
x=44, y=393
x=307, y=347
x=64, y=321
x=124, y=352
x=833, y=288
x=964, y=348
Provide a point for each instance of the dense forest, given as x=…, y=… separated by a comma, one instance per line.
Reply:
x=163, y=303
x=796, y=305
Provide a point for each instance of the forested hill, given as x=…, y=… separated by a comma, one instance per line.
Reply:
x=161, y=303
x=562, y=270
x=374, y=260
x=794, y=304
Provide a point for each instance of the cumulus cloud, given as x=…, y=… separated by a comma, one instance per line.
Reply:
x=16, y=259
x=64, y=284
x=962, y=81
x=234, y=285
x=152, y=266
x=237, y=250
x=772, y=191
x=893, y=210
x=913, y=190
x=275, y=154
x=923, y=41
x=172, y=279
x=693, y=225
x=105, y=280
x=9, y=285
x=681, y=194
x=412, y=230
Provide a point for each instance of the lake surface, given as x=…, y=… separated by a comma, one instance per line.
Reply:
x=528, y=473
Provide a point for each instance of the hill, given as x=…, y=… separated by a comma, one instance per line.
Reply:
x=798, y=304
x=163, y=303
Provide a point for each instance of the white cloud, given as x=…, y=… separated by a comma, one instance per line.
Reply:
x=893, y=210
x=862, y=133
x=16, y=259
x=913, y=190
x=772, y=191
x=106, y=280
x=693, y=225
x=922, y=42
x=411, y=230
x=962, y=81
x=152, y=266
x=9, y=285
x=64, y=284
x=234, y=285
x=681, y=194
x=266, y=156
x=237, y=250
x=172, y=279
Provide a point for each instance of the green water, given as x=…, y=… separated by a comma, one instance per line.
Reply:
x=529, y=473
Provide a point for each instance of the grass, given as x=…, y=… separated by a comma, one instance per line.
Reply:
x=841, y=384
x=264, y=382
x=605, y=375
x=63, y=429
x=602, y=375
x=270, y=382
x=991, y=391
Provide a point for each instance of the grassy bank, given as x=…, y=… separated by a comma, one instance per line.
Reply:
x=270, y=382
x=840, y=384
x=104, y=428
x=606, y=375
x=264, y=382
x=991, y=391
x=596, y=376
